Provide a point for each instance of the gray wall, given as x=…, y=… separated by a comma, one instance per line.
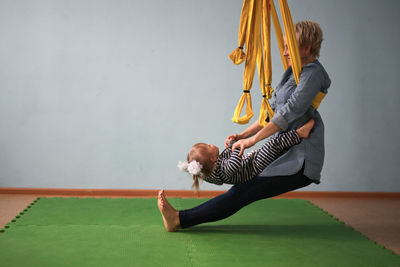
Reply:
x=111, y=94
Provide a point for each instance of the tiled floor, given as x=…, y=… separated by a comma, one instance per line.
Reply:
x=376, y=218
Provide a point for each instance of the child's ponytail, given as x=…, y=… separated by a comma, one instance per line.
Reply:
x=195, y=184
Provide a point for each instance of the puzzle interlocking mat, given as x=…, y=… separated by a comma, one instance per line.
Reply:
x=130, y=232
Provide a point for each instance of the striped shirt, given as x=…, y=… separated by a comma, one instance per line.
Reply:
x=234, y=169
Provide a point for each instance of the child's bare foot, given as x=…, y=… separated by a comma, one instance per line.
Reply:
x=169, y=214
x=304, y=131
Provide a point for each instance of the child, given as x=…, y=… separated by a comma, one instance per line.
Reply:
x=205, y=162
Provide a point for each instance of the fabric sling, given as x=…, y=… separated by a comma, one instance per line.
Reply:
x=255, y=35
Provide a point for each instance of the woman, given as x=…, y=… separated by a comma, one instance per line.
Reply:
x=298, y=167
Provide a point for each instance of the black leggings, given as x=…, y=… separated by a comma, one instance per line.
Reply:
x=241, y=195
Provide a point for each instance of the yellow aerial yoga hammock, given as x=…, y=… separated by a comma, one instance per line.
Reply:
x=255, y=35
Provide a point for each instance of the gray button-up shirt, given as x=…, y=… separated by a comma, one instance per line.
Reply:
x=292, y=106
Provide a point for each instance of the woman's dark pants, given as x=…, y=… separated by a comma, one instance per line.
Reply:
x=241, y=195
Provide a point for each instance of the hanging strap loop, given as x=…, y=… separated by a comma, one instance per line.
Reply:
x=248, y=28
x=238, y=56
x=249, y=113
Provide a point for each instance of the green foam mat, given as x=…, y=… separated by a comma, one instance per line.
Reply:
x=130, y=232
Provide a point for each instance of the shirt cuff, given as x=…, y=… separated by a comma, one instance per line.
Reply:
x=280, y=121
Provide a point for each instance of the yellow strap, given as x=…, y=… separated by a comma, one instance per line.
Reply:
x=318, y=99
x=264, y=110
x=278, y=34
x=255, y=17
x=252, y=43
x=238, y=56
x=249, y=113
x=291, y=40
x=265, y=70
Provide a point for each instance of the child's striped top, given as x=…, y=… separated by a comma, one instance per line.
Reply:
x=234, y=169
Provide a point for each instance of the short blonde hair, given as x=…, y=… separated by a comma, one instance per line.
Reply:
x=309, y=33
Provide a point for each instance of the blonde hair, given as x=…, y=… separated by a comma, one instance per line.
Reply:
x=198, y=153
x=309, y=33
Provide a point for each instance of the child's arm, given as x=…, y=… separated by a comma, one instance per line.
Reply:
x=273, y=148
x=265, y=132
x=213, y=179
x=232, y=165
x=227, y=152
x=221, y=173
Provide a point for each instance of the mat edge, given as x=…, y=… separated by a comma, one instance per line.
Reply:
x=19, y=215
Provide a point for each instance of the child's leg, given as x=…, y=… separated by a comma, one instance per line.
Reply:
x=304, y=131
x=273, y=148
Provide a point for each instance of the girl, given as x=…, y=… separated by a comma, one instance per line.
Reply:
x=205, y=162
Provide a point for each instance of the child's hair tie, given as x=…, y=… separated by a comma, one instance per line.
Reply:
x=194, y=167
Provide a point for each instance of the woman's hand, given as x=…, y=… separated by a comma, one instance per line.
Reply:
x=250, y=131
x=232, y=138
x=243, y=144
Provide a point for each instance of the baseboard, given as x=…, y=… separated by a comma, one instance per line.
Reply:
x=107, y=192
x=184, y=193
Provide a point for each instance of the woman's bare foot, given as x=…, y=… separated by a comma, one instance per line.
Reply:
x=304, y=131
x=169, y=214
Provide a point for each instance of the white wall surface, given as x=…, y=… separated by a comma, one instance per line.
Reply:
x=112, y=93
